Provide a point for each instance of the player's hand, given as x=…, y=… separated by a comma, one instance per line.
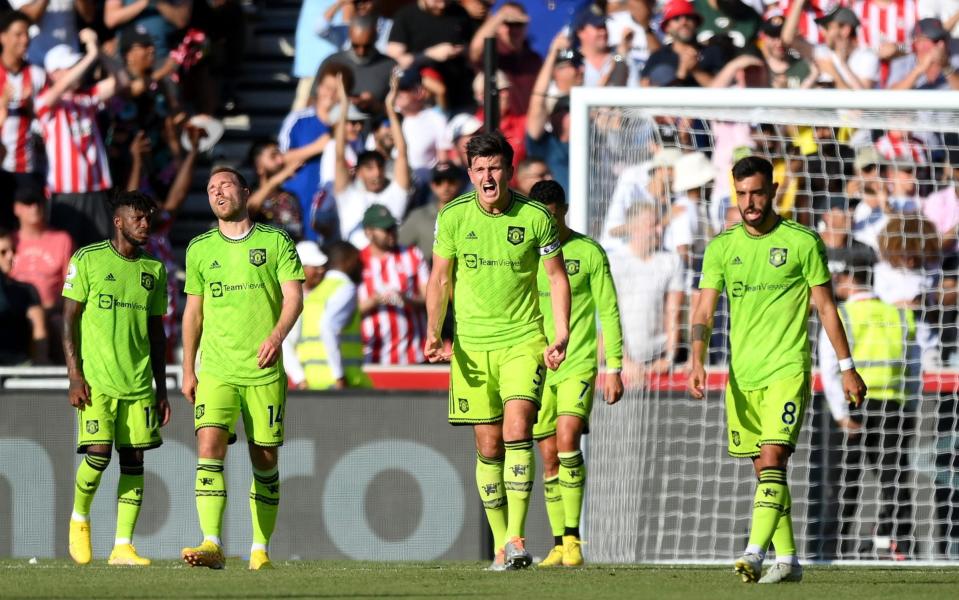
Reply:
x=269, y=352
x=435, y=351
x=79, y=392
x=189, y=387
x=612, y=388
x=696, y=382
x=555, y=353
x=163, y=409
x=853, y=386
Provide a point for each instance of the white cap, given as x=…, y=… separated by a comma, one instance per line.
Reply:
x=310, y=254
x=352, y=113
x=60, y=56
x=691, y=171
x=462, y=124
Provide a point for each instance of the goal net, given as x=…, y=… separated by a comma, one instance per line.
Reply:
x=877, y=175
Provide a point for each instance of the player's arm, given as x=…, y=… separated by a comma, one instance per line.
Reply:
x=831, y=379
x=272, y=346
x=853, y=386
x=438, y=290
x=158, y=365
x=79, y=392
x=555, y=268
x=701, y=328
x=192, y=332
x=603, y=289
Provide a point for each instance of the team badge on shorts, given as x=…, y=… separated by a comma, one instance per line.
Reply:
x=572, y=267
x=736, y=438
x=93, y=426
x=516, y=235
x=777, y=256
x=199, y=411
x=464, y=405
x=147, y=280
x=258, y=256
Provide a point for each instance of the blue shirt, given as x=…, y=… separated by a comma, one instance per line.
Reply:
x=311, y=49
x=300, y=128
x=549, y=16
x=554, y=152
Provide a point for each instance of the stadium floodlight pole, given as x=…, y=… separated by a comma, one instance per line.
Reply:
x=490, y=91
x=738, y=100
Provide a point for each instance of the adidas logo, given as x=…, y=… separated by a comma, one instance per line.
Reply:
x=737, y=261
x=110, y=277
x=471, y=236
x=215, y=265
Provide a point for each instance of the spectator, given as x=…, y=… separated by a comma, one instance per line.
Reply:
x=732, y=24
x=354, y=196
x=339, y=35
x=459, y=130
x=314, y=269
x=303, y=136
x=159, y=19
x=417, y=229
x=785, y=70
x=601, y=65
x=24, y=338
x=933, y=63
x=393, y=294
x=511, y=124
x=549, y=19
x=683, y=62
x=20, y=82
x=424, y=127
x=842, y=62
x=311, y=50
x=528, y=172
x=439, y=30
x=634, y=26
x=942, y=209
x=371, y=69
x=947, y=11
x=78, y=176
x=43, y=254
x=54, y=23
x=807, y=28
x=650, y=312
x=685, y=232
x=870, y=215
x=842, y=250
x=329, y=347
x=887, y=28
x=270, y=203
x=520, y=64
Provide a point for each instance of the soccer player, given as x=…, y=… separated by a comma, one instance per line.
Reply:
x=769, y=267
x=490, y=242
x=568, y=396
x=114, y=301
x=244, y=293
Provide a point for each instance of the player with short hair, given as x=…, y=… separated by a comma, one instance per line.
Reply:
x=113, y=341
x=769, y=267
x=244, y=293
x=568, y=395
x=490, y=242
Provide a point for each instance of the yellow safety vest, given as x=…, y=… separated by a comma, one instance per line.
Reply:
x=879, y=337
x=310, y=348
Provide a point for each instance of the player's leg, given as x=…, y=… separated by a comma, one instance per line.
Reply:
x=263, y=408
x=575, y=402
x=214, y=413
x=544, y=432
x=95, y=434
x=489, y=483
x=744, y=433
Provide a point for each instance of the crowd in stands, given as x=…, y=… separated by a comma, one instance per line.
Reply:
x=374, y=146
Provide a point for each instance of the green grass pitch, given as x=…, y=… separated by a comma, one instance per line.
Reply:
x=342, y=579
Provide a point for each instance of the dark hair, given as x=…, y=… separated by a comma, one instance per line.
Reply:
x=529, y=161
x=489, y=145
x=339, y=252
x=548, y=191
x=257, y=148
x=135, y=200
x=239, y=176
x=364, y=23
x=332, y=70
x=5, y=233
x=370, y=156
x=12, y=16
x=751, y=165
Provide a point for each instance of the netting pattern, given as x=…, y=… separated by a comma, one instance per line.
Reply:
x=881, y=189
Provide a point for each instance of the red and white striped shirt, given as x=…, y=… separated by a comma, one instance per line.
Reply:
x=393, y=335
x=892, y=21
x=15, y=133
x=75, y=152
x=808, y=29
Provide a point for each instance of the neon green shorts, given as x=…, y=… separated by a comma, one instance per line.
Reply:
x=263, y=407
x=769, y=415
x=572, y=396
x=120, y=423
x=483, y=381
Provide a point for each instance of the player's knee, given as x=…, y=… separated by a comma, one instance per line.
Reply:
x=490, y=447
x=130, y=458
x=100, y=451
x=264, y=458
x=211, y=442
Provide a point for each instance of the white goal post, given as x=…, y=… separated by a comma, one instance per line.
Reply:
x=661, y=487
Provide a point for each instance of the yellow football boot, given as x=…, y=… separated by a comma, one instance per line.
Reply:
x=572, y=553
x=80, y=549
x=553, y=559
x=207, y=555
x=126, y=555
x=259, y=559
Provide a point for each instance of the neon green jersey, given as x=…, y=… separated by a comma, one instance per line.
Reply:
x=496, y=259
x=591, y=289
x=119, y=295
x=240, y=284
x=767, y=280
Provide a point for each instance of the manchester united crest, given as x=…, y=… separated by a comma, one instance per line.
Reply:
x=516, y=235
x=147, y=280
x=777, y=256
x=257, y=256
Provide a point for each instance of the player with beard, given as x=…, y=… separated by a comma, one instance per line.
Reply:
x=770, y=267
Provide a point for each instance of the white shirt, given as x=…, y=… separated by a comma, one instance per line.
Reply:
x=425, y=134
x=683, y=228
x=939, y=9
x=353, y=202
x=863, y=62
x=631, y=188
x=617, y=24
x=336, y=316
x=643, y=285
